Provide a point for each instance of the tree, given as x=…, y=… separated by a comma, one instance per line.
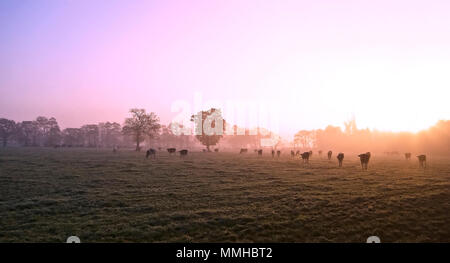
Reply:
x=91, y=134
x=304, y=138
x=27, y=133
x=209, y=127
x=7, y=129
x=54, y=133
x=109, y=134
x=141, y=125
x=72, y=137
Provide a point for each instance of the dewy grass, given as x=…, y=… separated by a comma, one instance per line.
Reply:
x=47, y=195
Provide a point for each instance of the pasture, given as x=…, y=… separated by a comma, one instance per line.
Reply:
x=49, y=194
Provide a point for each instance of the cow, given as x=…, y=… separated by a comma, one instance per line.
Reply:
x=329, y=155
x=243, y=150
x=364, y=158
x=278, y=153
x=151, y=152
x=183, y=153
x=260, y=152
x=273, y=153
x=216, y=150
x=422, y=160
x=305, y=157
x=340, y=158
x=171, y=150
x=408, y=156
x=292, y=154
x=297, y=153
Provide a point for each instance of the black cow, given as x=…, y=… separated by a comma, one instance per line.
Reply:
x=171, y=150
x=408, y=156
x=340, y=158
x=305, y=157
x=422, y=160
x=151, y=152
x=260, y=152
x=364, y=158
x=183, y=153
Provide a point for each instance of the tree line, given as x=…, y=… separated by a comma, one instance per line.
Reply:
x=138, y=128
x=435, y=140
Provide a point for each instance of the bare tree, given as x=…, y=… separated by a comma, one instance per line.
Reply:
x=7, y=129
x=141, y=125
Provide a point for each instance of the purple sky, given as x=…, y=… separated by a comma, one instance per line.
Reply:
x=314, y=62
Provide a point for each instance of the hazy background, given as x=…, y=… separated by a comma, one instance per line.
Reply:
x=318, y=62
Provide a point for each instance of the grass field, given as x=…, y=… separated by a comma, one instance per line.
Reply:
x=47, y=195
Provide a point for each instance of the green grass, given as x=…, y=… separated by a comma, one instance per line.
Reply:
x=47, y=195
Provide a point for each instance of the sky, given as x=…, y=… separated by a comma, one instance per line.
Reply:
x=284, y=65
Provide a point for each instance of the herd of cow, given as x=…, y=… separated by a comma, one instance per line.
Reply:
x=364, y=157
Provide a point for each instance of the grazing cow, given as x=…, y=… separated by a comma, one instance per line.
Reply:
x=408, y=156
x=151, y=152
x=259, y=152
x=364, y=158
x=273, y=153
x=278, y=153
x=171, y=150
x=243, y=150
x=329, y=155
x=292, y=154
x=183, y=153
x=216, y=150
x=422, y=160
x=305, y=157
x=340, y=158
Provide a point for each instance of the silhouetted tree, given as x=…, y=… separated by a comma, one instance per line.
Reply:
x=7, y=129
x=209, y=127
x=141, y=125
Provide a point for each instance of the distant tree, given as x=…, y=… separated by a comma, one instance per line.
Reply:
x=27, y=133
x=209, y=127
x=7, y=129
x=54, y=133
x=43, y=127
x=72, y=137
x=109, y=134
x=90, y=134
x=305, y=138
x=141, y=125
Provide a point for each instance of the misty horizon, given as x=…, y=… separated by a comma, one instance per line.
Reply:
x=310, y=61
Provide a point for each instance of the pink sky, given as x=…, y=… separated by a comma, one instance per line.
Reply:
x=316, y=62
